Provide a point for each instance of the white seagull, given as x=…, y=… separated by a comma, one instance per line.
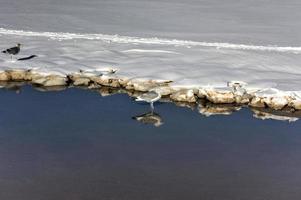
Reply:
x=149, y=97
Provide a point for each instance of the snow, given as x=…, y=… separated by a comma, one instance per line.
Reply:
x=195, y=44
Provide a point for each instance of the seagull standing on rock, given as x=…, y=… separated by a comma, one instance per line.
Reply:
x=13, y=50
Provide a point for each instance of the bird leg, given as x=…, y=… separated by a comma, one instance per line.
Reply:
x=152, y=106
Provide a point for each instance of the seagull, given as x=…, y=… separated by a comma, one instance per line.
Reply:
x=13, y=50
x=149, y=97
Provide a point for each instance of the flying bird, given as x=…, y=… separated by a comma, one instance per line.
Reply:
x=13, y=50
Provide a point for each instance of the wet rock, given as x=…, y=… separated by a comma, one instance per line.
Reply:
x=183, y=95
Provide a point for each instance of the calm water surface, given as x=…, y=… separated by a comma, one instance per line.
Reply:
x=75, y=144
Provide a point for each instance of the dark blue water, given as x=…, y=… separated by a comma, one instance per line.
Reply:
x=75, y=144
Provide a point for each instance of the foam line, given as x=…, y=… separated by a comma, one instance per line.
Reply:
x=151, y=41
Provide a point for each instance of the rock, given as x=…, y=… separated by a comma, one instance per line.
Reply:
x=107, y=81
x=50, y=80
x=142, y=86
x=183, y=95
x=5, y=76
x=81, y=81
x=164, y=90
x=243, y=99
x=19, y=75
x=276, y=103
x=123, y=81
x=257, y=102
x=296, y=104
x=220, y=95
x=202, y=93
x=145, y=85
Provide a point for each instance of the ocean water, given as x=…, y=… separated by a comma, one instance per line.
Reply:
x=75, y=144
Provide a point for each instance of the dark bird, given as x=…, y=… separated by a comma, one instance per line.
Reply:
x=13, y=51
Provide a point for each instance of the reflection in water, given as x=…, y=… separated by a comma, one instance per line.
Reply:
x=14, y=86
x=207, y=108
x=108, y=91
x=204, y=107
x=282, y=115
x=149, y=118
x=50, y=89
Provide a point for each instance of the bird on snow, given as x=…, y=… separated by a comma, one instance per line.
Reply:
x=149, y=97
x=13, y=50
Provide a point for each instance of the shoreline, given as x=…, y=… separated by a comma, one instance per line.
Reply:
x=208, y=101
